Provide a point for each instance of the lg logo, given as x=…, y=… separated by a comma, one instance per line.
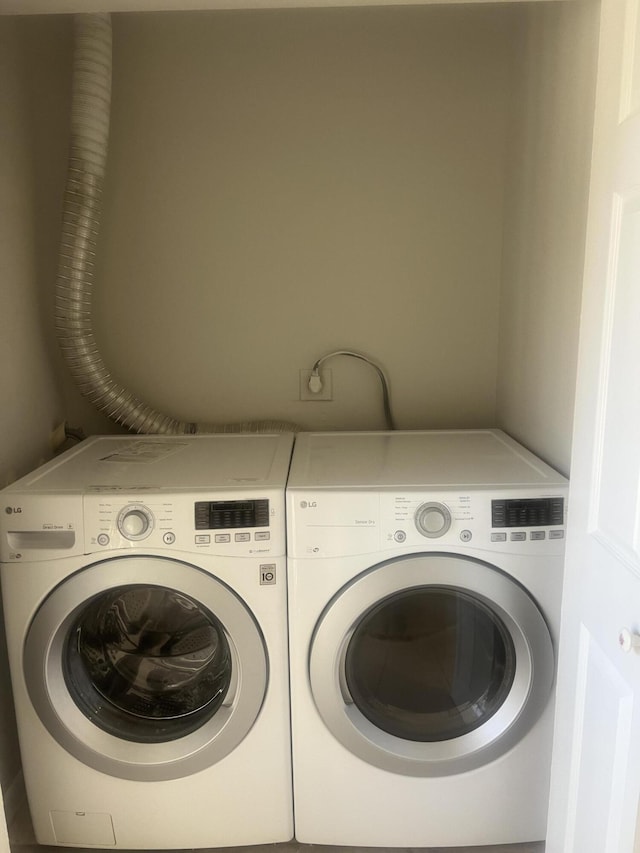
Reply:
x=11, y=509
x=308, y=504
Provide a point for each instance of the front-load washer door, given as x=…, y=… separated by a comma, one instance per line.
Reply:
x=431, y=665
x=146, y=668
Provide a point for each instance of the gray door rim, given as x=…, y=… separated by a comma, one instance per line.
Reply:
x=67, y=724
x=529, y=694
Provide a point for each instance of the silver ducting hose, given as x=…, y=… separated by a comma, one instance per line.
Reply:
x=82, y=208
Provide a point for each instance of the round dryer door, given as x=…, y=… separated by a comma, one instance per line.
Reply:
x=145, y=668
x=431, y=665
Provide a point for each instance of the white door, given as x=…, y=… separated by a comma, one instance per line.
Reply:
x=596, y=769
x=4, y=836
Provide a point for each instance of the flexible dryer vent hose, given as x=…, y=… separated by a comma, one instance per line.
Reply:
x=82, y=208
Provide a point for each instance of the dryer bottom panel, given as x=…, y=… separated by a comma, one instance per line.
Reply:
x=340, y=800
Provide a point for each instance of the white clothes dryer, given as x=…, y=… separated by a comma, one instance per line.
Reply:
x=424, y=576
x=144, y=594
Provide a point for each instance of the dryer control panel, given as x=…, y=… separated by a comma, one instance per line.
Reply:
x=328, y=523
x=522, y=524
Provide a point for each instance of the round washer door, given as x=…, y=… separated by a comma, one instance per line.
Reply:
x=431, y=665
x=145, y=668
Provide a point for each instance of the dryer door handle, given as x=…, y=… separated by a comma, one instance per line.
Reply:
x=344, y=688
x=341, y=667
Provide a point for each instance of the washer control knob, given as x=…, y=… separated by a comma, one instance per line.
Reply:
x=135, y=522
x=433, y=519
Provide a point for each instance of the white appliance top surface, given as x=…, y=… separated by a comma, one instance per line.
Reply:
x=431, y=458
x=166, y=463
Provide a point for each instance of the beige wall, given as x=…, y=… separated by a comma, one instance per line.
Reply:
x=282, y=184
x=545, y=218
x=31, y=405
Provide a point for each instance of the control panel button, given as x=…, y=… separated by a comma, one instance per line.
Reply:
x=556, y=534
x=518, y=537
x=466, y=536
x=537, y=534
x=242, y=537
x=135, y=522
x=262, y=536
x=498, y=537
x=433, y=520
x=103, y=539
x=400, y=536
x=202, y=539
x=169, y=538
x=223, y=538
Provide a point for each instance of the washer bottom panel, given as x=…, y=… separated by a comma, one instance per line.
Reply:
x=228, y=805
x=245, y=798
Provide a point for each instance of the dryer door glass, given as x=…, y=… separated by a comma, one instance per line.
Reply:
x=430, y=664
x=147, y=663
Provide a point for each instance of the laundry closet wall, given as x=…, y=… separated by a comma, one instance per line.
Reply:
x=284, y=183
x=544, y=225
x=405, y=181
x=31, y=402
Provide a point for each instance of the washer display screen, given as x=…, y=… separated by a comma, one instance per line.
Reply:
x=230, y=515
x=147, y=663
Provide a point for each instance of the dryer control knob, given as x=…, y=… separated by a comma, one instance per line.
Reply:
x=433, y=519
x=135, y=522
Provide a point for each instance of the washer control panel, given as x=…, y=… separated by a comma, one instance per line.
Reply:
x=224, y=526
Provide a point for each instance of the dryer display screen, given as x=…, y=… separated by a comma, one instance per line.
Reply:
x=531, y=512
x=229, y=515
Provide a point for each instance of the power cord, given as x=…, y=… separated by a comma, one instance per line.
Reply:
x=315, y=380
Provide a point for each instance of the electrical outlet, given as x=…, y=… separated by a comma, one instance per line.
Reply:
x=325, y=393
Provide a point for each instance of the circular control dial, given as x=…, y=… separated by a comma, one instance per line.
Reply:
x=135, y=522
x=433, y=519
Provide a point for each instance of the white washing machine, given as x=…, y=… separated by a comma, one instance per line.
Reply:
x=424, y=575
x=145, y=606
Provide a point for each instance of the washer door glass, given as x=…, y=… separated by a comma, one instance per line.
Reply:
x=148, y=680
x=430, y=664
x=147, y=663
